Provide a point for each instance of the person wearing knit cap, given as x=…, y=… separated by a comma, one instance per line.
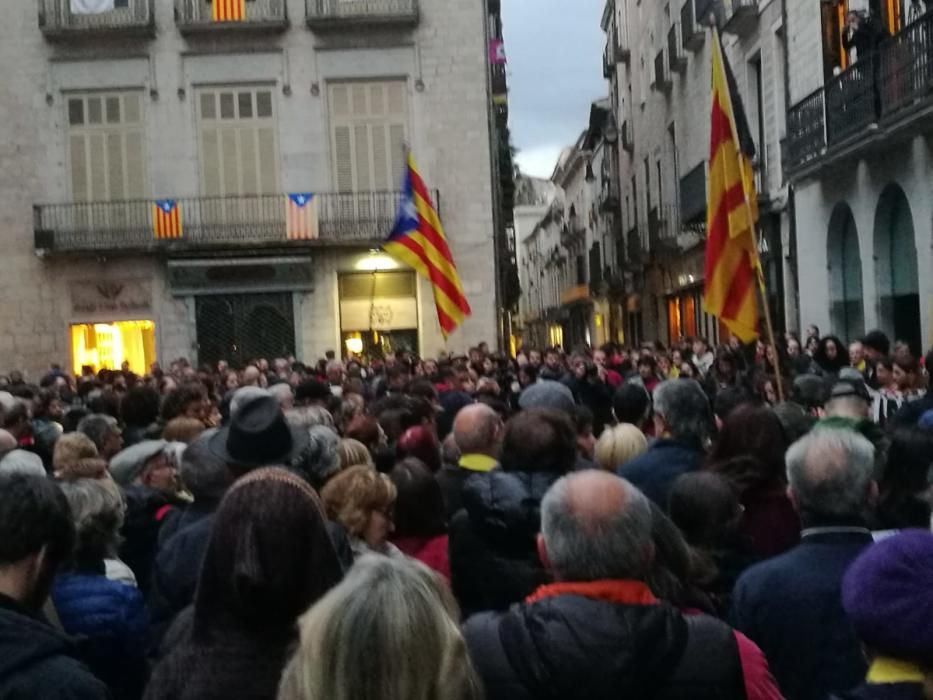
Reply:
x=887, y=594
x=268, y=559
x=548, y=394
x=75, y=457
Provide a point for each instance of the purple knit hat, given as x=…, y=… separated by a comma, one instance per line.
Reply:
x=888, y=595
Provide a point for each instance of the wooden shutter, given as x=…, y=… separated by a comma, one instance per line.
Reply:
x=368, y=123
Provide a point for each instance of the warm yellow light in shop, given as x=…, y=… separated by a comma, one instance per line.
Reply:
x=109, y=345
x=354, y=345
x=375, y=262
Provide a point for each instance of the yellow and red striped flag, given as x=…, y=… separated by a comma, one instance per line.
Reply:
x=418, y=240
x=228, y=10
x=166, y=219
x=732, y=266
x=301, y=216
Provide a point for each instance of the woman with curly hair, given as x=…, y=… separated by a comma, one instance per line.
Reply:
x=363, y=501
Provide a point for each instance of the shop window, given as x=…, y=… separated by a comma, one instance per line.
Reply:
x=110, y=345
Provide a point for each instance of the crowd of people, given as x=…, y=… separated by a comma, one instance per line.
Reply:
x=686, y=522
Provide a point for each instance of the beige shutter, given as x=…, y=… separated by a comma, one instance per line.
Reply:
x=268, y=172
x=98, y=167
x=79, y=178
x=135, y=166
x=343, y=157
x=249, y=161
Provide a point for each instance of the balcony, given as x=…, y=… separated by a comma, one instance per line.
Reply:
x=194, y=16
x=867, y=105
x=694, y=33
x=677, y=59
x=336, y=15
x=618, y=48
x=663, y=81
x=609, y=64
x=132, y=18
x=500, y=85
x=741, y=16
x=627, y=134
x=212, y=223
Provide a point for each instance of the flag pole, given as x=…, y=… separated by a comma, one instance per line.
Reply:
x=759, y=273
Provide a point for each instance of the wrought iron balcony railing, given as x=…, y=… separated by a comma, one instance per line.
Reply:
x=677, y=59
x=336, y=219
x=619, y=47
x=890, y=90
x=129, y=17
x=196, y=16
x=628, y=136
x=694, y=33
x=337, y=14
x=741, y=16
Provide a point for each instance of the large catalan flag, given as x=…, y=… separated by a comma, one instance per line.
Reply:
x=301, y=216
x=732, y=268
x=166, y=219
x=228, y=10
x=418, y=239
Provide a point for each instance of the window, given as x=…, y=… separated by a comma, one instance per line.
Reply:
x=106, y=146
x=239, y=153
x=368, y=122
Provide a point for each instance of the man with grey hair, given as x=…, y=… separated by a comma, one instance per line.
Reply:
x=598, y=632
x=682, y=421
x=477, y=433
x=791, y=605
x=104, y=432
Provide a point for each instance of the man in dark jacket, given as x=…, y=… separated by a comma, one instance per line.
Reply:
x=599, y=633
x=682, y=423
x=36, y=535
x=478, y=433
x=493, y=559
x=791, y=605
x=149, y=480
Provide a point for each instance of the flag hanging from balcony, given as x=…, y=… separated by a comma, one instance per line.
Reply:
x=418, y=240
x=166, y=219
x=92, y=7
x=228, y=10
x=301, y=222
x=732, y=266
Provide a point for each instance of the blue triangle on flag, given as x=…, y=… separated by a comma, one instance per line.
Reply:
x=301, y=198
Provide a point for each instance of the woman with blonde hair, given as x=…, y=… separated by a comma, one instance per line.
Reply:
x=353, y=453
x=387, y=632
x=363, y=501
x=618, y=445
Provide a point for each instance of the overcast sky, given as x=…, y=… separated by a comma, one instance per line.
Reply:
x=555, y=50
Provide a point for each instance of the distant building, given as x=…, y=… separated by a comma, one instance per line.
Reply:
x=657, y=60
x=150, y=154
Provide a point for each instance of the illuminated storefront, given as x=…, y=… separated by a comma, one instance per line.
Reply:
x=109, y=345
x=378, y=312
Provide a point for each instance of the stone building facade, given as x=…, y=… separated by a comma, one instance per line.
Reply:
x=103, y=116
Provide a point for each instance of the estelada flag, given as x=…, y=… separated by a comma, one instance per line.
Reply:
x=732, y=268
x=301, y=216
x=166, y=219
x=228, y=10
x=418, y=240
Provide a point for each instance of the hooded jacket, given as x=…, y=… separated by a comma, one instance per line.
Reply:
x=109, y=621
x=493, y=551
x=571, y=647
x=38, y=661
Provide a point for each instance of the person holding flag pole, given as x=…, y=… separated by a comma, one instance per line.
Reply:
x=733, y=268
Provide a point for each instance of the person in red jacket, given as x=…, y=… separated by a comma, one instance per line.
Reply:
x=420, y=515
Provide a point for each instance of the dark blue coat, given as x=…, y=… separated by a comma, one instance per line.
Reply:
x=655, y=471
x=493, y=539
x=791, y=607
x=110, y=625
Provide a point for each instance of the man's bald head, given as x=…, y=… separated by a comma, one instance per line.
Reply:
x=830, y=472
x=251, y=376
x=478, y=430
x=596, y=526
